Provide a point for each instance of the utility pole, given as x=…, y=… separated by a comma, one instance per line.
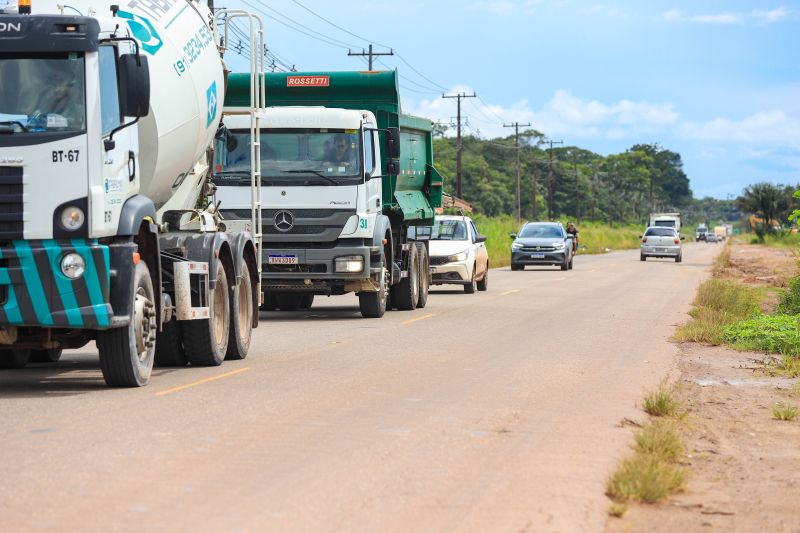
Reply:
x=370, y=54
x=458, y=98
x=550, y=178
x=577, y=189
x=516, y=126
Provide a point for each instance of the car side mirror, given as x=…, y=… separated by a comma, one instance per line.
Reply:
x=134, y=84
x=480, y=238
x=683, y=238
x=512, y=235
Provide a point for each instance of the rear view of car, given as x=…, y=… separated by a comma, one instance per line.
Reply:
x=660, y=241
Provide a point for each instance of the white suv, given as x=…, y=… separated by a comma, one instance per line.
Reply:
x=458, y=254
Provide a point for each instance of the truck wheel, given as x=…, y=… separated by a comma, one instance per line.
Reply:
x=127, y=353
x=46, y=356
x=373, y=304
x=470, y=287
x=306, y=301
x=14, y=358
x=424, y=275
x=406, y=293
x=269, y=302
x=169, y=347
x=484, y=283
x=241, y=328
x=206, y=341
x=288, y=302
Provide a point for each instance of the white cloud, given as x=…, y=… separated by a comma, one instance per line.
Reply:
x=765, y=127
x=563, y=115
x=505, y=7
x=728, y=17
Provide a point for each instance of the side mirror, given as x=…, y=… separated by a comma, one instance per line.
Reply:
x=480, y=238
x=393, y=143
x=392, y=168
x=134, y=85
x=512, y=235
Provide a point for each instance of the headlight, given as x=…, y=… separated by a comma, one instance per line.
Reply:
x=516, y=245
x=559, y=246
x=73, y=265
x=349, y=264
x=457, y=257
x=72, y=218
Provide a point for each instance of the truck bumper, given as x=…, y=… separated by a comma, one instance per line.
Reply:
x=315, y=270
x=34, y=291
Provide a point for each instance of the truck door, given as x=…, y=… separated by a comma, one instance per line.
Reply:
x=120, y=170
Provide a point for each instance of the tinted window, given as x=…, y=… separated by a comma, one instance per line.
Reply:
x=660, y=232
x=109, y=94
x=541, y=231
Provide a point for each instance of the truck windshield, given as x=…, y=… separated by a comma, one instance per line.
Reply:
x=328, y=157
x=42, y=93
x=665, y=223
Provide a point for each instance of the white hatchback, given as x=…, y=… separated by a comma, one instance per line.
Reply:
x=661, y=241
x=458, y=254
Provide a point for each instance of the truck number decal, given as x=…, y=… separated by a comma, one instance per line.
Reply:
x=59, y=156
x=363, y=223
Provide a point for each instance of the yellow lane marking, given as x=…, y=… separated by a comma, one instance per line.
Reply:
x=423, y=317
x=202, y=381
x=512, y=291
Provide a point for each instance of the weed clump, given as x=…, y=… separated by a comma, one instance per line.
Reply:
x=645, y=478
x=784, y=411
x=790, y=300
x=661, y=402
x=717, y=304
x=660, y=439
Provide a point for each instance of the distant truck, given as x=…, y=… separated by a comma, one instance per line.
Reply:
x=721, y=232
x=701, y=232
x=667, y=220
x=350, y=177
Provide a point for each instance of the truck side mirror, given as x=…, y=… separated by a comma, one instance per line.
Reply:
x=392, y=168
x=134, y=83
x=393, y=143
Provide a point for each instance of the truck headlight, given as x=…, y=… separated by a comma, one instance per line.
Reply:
x=72, y=218
x=457, y=257
x=349, y=264
x=73, y=265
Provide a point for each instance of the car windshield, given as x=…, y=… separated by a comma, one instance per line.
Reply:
x=660, y=232
x=541, y=231
x=301, y=156
x=449, y=230
x=42, y=93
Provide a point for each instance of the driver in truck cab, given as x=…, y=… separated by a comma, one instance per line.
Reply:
x=341, y=152
x=59, y=107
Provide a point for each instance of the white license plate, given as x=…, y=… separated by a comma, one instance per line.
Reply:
x=282, y=260
x=662, y=250
x=537, y=256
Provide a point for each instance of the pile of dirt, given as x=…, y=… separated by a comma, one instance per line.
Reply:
x=761, y=266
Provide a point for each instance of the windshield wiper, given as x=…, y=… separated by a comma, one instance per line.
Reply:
x=314, y=172
x=14, y=123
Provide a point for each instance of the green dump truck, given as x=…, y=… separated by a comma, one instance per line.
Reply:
x=346, y=174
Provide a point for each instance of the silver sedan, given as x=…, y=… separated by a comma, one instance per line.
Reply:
x=659, y=241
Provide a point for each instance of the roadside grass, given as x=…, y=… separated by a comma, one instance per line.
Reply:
x=723, y=260
x=779, y=334
x=784, y=411
x=783, y=240
x=652, y=472
x=718, y=303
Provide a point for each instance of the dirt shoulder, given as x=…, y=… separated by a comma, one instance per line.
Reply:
x=743, y=463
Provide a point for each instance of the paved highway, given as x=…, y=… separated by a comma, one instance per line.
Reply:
x=498, y=411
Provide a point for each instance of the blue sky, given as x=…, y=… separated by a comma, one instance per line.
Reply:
x=717, y=81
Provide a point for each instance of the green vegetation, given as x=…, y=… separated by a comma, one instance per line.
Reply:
x=617, y=509
x=718, y=303
x=661, y=401
x=768, y=333
x=660, y=439
x=784, y=411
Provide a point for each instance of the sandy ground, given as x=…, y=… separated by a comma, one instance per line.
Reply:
x=744, y=464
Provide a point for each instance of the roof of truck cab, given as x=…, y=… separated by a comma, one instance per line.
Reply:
x=300, y=118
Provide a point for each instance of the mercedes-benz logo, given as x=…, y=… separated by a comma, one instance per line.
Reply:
x=284, y=221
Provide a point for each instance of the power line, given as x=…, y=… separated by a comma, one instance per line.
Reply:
x=321, y=39
x=359, y=37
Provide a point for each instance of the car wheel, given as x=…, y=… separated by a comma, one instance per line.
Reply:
x=565, y=264
x=470, y=287
x=679, y=258
x=571, y=259
x=642, y=257
x=517, y=266
x=484, y=283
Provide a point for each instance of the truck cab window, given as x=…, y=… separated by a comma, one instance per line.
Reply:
x=109, y=90
x=369, y=152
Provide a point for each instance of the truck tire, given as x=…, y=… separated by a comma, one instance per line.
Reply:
x=127, y=353
x=169, y=346
x=306, y=301
x=470, y=287
x=14, y=359
x=424, y=275
x=46, y=356
x=241, y=328
x=373, y=304
x=406, y=293
x=484, y=283
x=206, y=341
x=288, y=302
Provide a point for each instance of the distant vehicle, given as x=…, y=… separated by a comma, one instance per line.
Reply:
x=542, y=243
x=701, y=232
x=721, y=232
x=659, y=241
x=712, y=238
x=458, y=254
x=666, y=220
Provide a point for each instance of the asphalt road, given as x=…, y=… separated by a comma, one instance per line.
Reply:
x=498, y=411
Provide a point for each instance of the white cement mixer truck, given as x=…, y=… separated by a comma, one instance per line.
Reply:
x=108, y=113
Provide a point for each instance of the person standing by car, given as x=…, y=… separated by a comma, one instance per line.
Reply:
x=572, y=230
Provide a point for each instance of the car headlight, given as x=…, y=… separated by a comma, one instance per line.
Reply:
x=559, y=246
x=72, y=218
x=516, y=245
x=457, y=257
x=73, y=265
x=349, y=263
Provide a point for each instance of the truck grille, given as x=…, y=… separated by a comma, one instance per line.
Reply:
x=308, y=225
x=11, y=208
